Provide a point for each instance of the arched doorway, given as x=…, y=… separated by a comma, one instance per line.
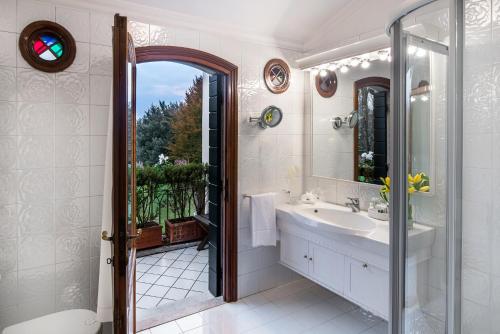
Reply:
x=223, y=167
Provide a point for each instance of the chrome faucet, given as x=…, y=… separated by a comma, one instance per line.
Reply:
x=353, y=204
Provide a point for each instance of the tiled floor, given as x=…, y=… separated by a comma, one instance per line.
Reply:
x=299, y=307
x=166, y=277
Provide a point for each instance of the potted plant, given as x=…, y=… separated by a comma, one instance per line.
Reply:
x=184, y=184
x=148, y=185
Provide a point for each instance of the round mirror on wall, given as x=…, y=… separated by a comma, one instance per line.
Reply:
x=326, y=83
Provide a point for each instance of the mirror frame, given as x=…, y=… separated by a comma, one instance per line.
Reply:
x=358, y=84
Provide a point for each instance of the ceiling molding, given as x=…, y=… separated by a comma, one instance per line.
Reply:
x=154, y=15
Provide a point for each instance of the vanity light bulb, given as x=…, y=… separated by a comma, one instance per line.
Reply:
x=344, y=69
x=355, y=62
x=314, y=71
x=412, y=49
x=413, y=99
x=323, y=73
x=365, y=64
x=421, y=53
x=424, y=98
x=332, y=67
x=383, y=55
x=389, y=58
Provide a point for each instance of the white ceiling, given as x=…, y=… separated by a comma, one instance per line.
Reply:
x=292, y=21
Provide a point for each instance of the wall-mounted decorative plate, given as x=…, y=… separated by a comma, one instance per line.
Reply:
x=277, y=76
x=326, y=85
x=47, y=46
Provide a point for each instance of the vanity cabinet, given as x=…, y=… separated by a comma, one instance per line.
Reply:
x=295, y=253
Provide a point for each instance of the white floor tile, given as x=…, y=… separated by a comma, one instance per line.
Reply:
x=186, y=257
x=182, y=283
x=168, y=328
x=171, y=256
x=149, y=260
x=141, y=267
x=203, y=277
x=190, y=251
x=200, y=286
x=148, y=302
x=196, y=266
x=149, y=278
x=190, y=322
x=157, y=291
x=176, y=294
x=141, y=288
x=164, y=262
x=190, y=274
x=173, y=272
x=157, y=270
x=180, y=264
x=166, y=281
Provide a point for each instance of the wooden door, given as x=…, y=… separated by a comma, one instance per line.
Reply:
x=124, y=208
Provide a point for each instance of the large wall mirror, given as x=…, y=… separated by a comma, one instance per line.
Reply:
x=350, y=129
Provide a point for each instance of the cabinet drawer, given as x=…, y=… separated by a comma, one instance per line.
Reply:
x=294, y=252
x=327, y=267
x=369, y=285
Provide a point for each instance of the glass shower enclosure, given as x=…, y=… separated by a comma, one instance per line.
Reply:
x=424, y=169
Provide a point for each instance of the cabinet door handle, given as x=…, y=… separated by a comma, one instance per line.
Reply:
x=365, y=265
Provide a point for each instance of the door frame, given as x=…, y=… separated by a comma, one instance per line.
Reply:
x=230, y=152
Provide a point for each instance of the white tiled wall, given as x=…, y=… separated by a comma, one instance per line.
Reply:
x=481, y=215
x=52, y=144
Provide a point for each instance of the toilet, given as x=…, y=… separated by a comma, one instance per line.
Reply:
x=76, y=321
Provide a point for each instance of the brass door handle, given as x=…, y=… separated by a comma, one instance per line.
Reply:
x=135, y=236
x=105, y=237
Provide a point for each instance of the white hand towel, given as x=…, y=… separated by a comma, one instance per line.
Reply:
x=263, y=219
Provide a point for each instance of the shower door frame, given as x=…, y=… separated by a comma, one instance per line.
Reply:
x=399, y=164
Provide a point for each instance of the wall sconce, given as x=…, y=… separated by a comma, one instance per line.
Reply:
x=350, y=120
x=270, y=117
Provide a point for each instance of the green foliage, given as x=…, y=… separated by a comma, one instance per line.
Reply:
x=154, y=131
x=148, y=181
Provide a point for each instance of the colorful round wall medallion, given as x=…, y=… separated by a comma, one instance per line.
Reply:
x=47, y=46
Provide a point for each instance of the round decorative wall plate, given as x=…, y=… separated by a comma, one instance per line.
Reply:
x=277, y=76
x=47, y=46
x=326, y=85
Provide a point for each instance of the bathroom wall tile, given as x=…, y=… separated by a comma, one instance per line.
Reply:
x=36, y=218
x=97, y=150
x=36, y=283
x=8, y=255
x=71, y=182
x=8, y=221
x=71, y=151
x=100, y=89
x=35, y=152
x=96, y=210
x=346, y=189
x=186, y=38
x=158, y=35
x=38, y=307
x=36, y=251
x=95, y=241
x=72, y=119
x=81, y=64
x=8, y=152
x=96, y=180
x=101, y=60
x=72, y=213
x=139, y=32
x=8, y=15
x=99, y=120
x=77, y=21
x=476, y=286
x=8, y=179
x=8, y=118
x=35, y=86
x=72, y=88
x=366, y=193
x=477, y=184
x=73, y=245
x=101, y=28
x=30, y=10
x=35, y=118
x=72, y=277
x=35, y=185
x=8, y=51
x=8, y=290
x=7, y=83
x=73, y=299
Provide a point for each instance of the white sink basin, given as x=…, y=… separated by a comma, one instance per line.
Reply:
x=336, y=220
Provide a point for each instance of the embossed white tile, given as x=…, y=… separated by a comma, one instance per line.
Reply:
x=36, y=283
x=8, y=118
x=7, y=83
x=139, y=32
x=81, y=64
x=8, y=179
x=71, y=151
x=101, y=28
x=73, y=299
x=101, y=59
x=99, y=120
x=36, y=250
x=31, y=10
x=95, y=241
x=8, y=15
x=8, y=290
x=71, y=182
x=35, y=86
x=73, y=245
x=100, y=89
x=158, y=35
x=8, y=221
x=346, y=189
x=77, y=21
x=72, y=213
x=35, y=152
x=96, y=180
x=72, y=88
x=36, y=218
x=35, y=185
x=96, y=210
x=72, y=119
x=72, y=276
x=35, y=118
x=8, y=152
x=8, y=50
x=97, y=150
x=8, y=255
